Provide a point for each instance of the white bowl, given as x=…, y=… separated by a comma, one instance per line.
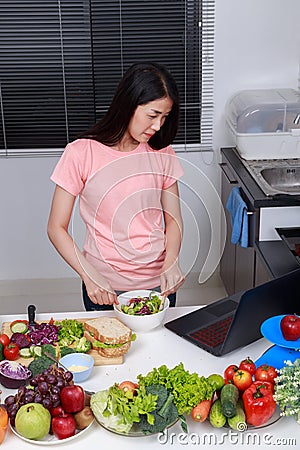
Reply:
x=140, y=323
x=77, y=360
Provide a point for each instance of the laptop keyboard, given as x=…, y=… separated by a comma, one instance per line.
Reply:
x=214, y=334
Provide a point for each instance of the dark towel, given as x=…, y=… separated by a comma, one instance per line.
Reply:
x=239, y=218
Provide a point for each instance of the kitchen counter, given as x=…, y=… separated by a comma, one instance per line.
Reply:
x=255, y=193
x=153, y=349
x=268, y=213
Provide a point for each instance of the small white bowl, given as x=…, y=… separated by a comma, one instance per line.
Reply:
x=140, y=323
x=73, y=362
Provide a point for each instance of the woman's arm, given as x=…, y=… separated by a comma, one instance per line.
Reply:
x=172, y=277
x=98, y=288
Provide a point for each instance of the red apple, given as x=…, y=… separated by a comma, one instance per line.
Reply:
x=290, y=327
x=72, y=398
x=56, y=411
x=63, y=426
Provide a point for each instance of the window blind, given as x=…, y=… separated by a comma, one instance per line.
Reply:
x=61, y=61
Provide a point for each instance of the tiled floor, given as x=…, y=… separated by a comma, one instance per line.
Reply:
x=67, y=296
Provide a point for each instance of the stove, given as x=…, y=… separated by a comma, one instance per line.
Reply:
x=291, y=237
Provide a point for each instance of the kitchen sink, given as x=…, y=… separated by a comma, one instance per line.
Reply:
x=276, y=175
x=283, y=179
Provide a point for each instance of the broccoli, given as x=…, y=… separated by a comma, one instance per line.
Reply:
x=66, y=350
x=83, y=345
x=48, y=348
x=38, y=365
x=165, y=413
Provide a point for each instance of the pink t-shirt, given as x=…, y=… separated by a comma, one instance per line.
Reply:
x=120, y=203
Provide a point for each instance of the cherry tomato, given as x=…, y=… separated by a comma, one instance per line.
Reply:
x=248, y=364
x=242, y=379
x=265, y=373
x=4, y=339
x=11, y=351
x=128, y=386
x=230, y=371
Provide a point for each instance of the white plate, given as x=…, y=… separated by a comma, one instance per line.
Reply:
x=134, y=431
x=50, y=439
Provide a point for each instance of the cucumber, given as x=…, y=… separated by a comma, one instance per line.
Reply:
x=216, y=416
x=238, y=421
x=229, y=398
x=19, y=326
x=36, y=350
x=25, y=352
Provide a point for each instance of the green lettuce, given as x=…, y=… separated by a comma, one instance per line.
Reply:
x=117, y=410
x=188, y=389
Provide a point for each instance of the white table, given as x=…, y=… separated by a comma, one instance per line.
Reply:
x=152, y=350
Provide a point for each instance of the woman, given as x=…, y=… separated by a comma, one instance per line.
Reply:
x=125, y=173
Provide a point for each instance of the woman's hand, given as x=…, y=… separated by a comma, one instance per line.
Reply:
x=99, y=291
x=98, y=288
x=171, y=278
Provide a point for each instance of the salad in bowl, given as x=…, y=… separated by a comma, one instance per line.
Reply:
x=141, y=310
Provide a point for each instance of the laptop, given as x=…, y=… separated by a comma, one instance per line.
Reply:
x=233, y=322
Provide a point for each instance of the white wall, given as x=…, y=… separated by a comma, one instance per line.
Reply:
x=257, y=45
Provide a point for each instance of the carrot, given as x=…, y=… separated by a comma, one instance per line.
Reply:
x=3, y=421
x=200, y=412
x=2, y=433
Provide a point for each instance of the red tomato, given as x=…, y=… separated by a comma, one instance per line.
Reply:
x=230, y=371
x=128, y=386
x=248, y=364
x=265, y=373
x=11, y=351
x=242, y=379
x=4, y=339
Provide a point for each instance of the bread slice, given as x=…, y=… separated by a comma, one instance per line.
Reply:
x=114, y=352
x=111, y=331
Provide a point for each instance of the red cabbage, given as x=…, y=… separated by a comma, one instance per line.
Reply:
x=13, y=369
x=20, y=339
x=43, y=333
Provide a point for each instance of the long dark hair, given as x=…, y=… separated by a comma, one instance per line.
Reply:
x=141, y=84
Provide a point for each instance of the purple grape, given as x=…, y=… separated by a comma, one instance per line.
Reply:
x=43, y=387
x=55, y=390
x=60, y=383
x=68, y=376
x=33, y=382
x=51, y=379
x=10, y=400
x=12, y=410
x=38, y=398
x=28, y=397
x=55, y=398
x=22, y=390
x=47, y=403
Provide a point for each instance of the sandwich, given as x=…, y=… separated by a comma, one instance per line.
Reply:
x=109, y=336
